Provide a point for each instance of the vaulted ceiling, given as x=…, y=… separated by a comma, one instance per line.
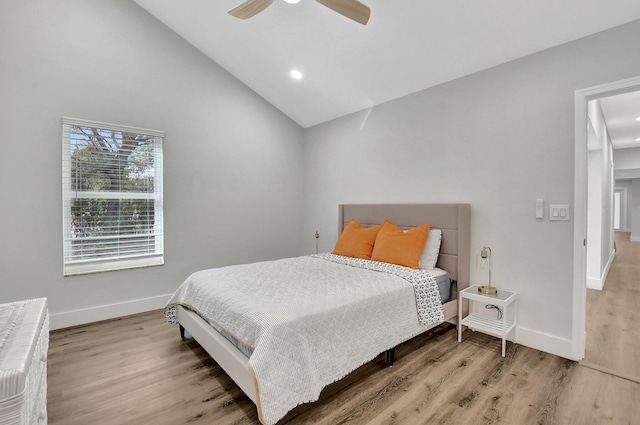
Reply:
x=407, y=46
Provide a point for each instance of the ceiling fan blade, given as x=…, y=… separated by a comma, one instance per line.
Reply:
x=249, y=8
x=352, y=9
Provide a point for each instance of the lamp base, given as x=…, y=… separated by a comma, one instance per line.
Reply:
x=488, y=290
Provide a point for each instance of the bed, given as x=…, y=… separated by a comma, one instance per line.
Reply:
x=292, y=360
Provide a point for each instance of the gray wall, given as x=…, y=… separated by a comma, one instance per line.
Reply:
x=497, y=139
x=239, y=184
x=627, y=161
x=233, y=163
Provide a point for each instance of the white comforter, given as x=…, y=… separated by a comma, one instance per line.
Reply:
x=311, y=320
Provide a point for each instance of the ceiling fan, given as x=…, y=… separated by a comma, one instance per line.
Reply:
x=351, y=9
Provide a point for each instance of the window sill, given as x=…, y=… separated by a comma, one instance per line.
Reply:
x=73, y=269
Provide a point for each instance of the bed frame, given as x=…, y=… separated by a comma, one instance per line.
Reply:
x=452, y=219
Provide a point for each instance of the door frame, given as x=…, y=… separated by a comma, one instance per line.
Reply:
x=623, y=208
x=581, y=98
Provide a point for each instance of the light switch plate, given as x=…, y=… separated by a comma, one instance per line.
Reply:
x=558, y=212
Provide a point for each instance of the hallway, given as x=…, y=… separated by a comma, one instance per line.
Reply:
x=613, y=315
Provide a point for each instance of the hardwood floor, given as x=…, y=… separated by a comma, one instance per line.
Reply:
x=613, y=315
x=137, y=370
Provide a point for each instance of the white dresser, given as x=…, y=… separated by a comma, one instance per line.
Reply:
x=24, y=342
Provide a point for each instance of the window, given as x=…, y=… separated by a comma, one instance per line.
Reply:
x=112, y=197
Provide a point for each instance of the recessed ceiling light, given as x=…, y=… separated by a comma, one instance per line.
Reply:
x=296, y=74
x=638, y=119
x=638, y=139
x=292, y=1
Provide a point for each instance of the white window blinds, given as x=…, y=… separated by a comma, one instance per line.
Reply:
x=112, y=196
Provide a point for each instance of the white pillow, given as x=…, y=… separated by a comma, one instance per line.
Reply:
x=431, y=250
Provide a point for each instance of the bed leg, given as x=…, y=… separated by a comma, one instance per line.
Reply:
x=181, y=331
x=390, y=357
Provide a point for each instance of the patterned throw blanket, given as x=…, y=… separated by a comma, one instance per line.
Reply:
x=310, y=320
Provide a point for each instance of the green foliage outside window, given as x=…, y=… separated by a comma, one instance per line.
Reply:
x=111, y=172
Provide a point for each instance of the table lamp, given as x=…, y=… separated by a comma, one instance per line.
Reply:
x=488, y=290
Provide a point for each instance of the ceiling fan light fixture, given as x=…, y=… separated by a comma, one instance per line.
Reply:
x=351, y=9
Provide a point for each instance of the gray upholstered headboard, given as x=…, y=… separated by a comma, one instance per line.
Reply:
x=452, y=219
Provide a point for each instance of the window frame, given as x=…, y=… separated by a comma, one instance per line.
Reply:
x=94, y=265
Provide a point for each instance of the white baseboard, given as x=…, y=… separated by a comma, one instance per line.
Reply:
x=605, y=272
x=104, y=312
x=635, y=238
x=537, y=340
x=598, y=283
x=594, y=283
x=544, y=342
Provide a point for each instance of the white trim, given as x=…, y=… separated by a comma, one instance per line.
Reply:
x=544, y=342
x=87, y=267
x=104, y=312
x=605, y=272
x=578, y=329
x=579, y=301
x=598, y=284
x=126, y=257
x=623, y=207
x=593, y=283
x=635, y=238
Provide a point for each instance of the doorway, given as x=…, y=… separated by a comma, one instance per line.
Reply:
x=616, y=210
x=582, y=97
x=620, y=210
x=611, y=324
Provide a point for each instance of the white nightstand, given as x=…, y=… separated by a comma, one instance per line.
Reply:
x=485, y=323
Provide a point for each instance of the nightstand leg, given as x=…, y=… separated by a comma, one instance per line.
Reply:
x=504, y=330
x=459, y=318
x=515, y=321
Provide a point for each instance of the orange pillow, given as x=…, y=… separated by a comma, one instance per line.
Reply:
x=356, y=241
x=395, y=246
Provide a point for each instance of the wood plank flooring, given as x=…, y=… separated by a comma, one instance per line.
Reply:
x=613, y=315
x=137, y=370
